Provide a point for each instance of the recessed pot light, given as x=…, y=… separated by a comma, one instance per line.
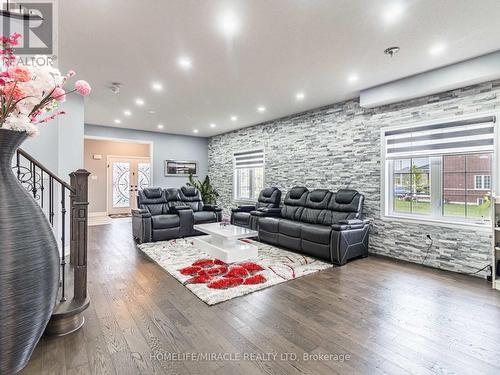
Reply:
x=195, y=130
x=118, y=121
x=234, y=118
x=212, y=125
x=228, y=23
x=437, y=48
x=300, y=96
x=139, y=101
x=393, y=12
x=160, y=126
x=157, y=86
x=127, y=113
x=184, y=62
x=261, y=108
x=352, y=78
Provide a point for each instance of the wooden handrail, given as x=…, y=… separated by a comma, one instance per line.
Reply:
x=30, y=158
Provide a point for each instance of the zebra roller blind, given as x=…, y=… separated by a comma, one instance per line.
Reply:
x=471, y=135
x=249, y=159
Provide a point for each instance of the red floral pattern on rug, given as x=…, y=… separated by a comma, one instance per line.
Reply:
x=218, y=275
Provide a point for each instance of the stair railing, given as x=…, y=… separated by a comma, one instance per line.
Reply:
x=48, y=189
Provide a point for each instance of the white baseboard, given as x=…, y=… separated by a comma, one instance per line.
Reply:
x=98, y=214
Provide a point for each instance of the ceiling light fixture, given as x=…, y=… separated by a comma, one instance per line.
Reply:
x=393, y=12
x=234, y=118
x=228, y=23
x=437, y=48
x=353, y=78
x=212, y=125
x=185, y=63
x=127, y=113
x=160, y=126
x=300, y=96
x=139, y=101
x=157, y=86
x=118, y=121
x=195, y=130
x=261, y=109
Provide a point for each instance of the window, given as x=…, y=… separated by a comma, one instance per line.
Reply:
x=440, y=171
x=483, y=182
x=248, y=174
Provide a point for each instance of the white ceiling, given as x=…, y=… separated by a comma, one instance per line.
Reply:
x=283, y=47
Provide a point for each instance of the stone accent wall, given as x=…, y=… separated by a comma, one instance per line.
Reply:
x=338, y=146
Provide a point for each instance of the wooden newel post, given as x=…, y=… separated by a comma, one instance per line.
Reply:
x=78, y=236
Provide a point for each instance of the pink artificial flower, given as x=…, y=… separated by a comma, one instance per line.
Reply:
x=82, y=87
x=59, y=94
x=11, y=89
x=19, y=73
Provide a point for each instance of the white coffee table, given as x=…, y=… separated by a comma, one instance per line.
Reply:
x=224, y=242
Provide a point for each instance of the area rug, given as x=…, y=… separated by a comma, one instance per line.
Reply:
x=213, y=281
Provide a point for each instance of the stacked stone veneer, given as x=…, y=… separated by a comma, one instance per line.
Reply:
x=338, y=146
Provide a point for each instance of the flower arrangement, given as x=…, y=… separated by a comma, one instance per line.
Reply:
x=30, y=95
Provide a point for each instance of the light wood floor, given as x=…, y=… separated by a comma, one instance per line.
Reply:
x=389, y=317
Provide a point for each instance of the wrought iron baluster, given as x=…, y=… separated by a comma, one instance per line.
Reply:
x=63, y=242
x=18, y=165
x=51, y=201
x=33, y=178
x=41, y=188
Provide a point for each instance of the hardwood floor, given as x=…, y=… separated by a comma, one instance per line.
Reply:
x=389, y=317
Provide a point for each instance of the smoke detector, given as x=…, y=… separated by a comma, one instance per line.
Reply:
x=391, y=51
x=115, y=87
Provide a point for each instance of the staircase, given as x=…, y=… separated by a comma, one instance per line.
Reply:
x=54, y=195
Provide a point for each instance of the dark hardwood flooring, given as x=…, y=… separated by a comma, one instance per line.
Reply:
x=390, y=317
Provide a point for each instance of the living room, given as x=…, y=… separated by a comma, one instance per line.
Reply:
x=250, y=187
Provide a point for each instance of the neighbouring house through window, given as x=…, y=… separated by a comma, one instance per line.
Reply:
x=440, y=171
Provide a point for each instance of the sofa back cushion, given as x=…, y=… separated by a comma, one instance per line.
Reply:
x=315, y=209
x=152, y=199
x=294, y=203
x=345, y=204
x=269, y=197
x=190, y=196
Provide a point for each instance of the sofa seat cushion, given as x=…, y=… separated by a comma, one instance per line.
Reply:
x=241, y=218
x=201, y=217
x=290, y=228
x=165, y=221
x=316, y=233
x=269, y=224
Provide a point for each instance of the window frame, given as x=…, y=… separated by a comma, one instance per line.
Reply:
x=234, y=187
x=436, y=174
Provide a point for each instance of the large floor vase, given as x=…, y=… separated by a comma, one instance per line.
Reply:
x=29, y=265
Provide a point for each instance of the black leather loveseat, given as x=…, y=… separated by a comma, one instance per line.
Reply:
x=319, y=223
x=268, y=202
x=164, y=214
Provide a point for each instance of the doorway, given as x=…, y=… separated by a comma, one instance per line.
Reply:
x=126, y=176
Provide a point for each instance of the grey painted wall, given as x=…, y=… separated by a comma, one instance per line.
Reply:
x=165, y=146
x=339, y=146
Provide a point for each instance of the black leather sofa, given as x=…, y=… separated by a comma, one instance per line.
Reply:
x=164, y=214
x=320, y=223
x=268, y=202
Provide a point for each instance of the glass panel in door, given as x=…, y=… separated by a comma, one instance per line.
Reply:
x=121, y=184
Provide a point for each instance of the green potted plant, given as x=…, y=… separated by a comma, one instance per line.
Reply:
x=208, y=193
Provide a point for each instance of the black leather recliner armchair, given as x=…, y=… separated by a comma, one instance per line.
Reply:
x=247, y=215
x=321, y=224
x=167, y=214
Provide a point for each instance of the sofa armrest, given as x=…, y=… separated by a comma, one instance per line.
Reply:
x=142, y=213
x=176, y=209
x=244, y=208
x=267, y=212
x=350, y=224
x=211, y=207
x=141, y=225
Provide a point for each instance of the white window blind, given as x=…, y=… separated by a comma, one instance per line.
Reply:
x=249, y=159
x=462, y=136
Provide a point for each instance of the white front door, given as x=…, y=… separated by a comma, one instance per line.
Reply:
x=126, y=175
